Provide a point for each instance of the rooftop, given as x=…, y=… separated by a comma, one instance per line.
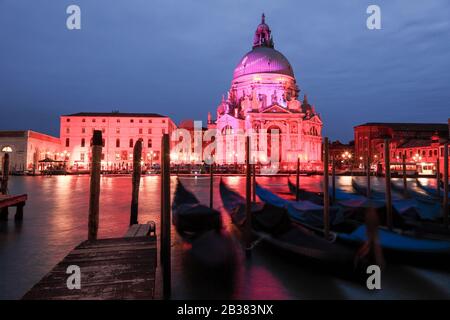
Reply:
x=415, y=144
x=115, y=114
x=409, y=126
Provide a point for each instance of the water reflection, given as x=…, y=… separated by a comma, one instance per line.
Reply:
x=55, y=221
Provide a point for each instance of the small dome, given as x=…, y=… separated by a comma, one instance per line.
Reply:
x=263, y=60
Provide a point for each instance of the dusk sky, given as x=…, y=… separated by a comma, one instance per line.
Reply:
x=177, y=58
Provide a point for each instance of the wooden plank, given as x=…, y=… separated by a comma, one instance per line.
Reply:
x=12, y=200
x=132, y=230
x=140, y=230
x=118, y=268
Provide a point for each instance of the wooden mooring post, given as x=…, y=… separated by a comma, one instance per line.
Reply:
x=387, y=179
x=368, y=187
x=165, y=217
x=297, y=180
x=333, y=179
x=438, y=177
x=405, y=183
x=445, y=197
x=211, y=185
x=94, y=193
x=254, y=182
x=4, y=185
x=5, y=174
x=326, y=197
x=248, y=200
x=136, y=179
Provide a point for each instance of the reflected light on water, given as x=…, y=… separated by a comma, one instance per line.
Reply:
x=55, y=221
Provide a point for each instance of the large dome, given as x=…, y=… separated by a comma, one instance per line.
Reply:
x=263, y=60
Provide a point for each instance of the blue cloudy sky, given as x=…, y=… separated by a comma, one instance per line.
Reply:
x=176, y=57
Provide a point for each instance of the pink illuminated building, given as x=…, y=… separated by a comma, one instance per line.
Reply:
x=120, y=133
x=264, y=96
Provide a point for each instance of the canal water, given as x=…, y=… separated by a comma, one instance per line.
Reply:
x=55, y=221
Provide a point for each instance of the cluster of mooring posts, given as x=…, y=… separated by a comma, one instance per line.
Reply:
x=6, y=200
x=138, y=246
x=388, y=192
x=117, y=268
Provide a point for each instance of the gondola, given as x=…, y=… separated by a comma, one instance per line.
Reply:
x=272, y=225
x=359, y=189
x=356, y=205
x=314, y=197
x=412, y=246
x=190, y=217
x=303, y=211
x=432, y=192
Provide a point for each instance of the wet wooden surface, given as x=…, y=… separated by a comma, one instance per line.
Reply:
x=12, y=200
x=118, y=268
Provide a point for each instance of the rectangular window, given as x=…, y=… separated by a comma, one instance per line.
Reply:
x=150, y=121
x=149, y=143
x=117, y=143
x=67, y=142
x=103, y=130
x=93, y=120
x=83, y=130
x=67, y=130
x=103, y=120
x=118, y=120
x=84, y=120
x=131, y=120
x=140, y=120
x=149, y=131
x=131, y=143
x=117, y=130
x=82, y=157
x=140, y=131
x=83, y=143
x=67, y=120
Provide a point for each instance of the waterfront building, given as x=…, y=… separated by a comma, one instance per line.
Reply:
x=421, y=143
x=342, y=153
x=120, y=131
x=27, y=148
x=264, y=96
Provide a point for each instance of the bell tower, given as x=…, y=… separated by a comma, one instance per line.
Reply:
x=263, y=36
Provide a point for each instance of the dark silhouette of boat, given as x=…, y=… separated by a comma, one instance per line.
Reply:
x=189, y=216
x=414, y=246
x=272, y=226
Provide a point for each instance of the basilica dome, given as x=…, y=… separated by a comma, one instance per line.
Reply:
x=263, y=60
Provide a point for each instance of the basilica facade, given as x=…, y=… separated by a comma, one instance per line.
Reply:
x=264, y=97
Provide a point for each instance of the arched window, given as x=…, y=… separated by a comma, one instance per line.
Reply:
x=227, y=130
x=117, y=143
x=83, y=142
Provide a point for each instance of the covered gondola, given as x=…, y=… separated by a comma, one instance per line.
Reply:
x=417, y=244
x=189, y=216
x=272, y=225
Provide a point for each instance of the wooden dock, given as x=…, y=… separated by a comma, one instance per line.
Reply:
x=111, y=269
x=7, y=201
